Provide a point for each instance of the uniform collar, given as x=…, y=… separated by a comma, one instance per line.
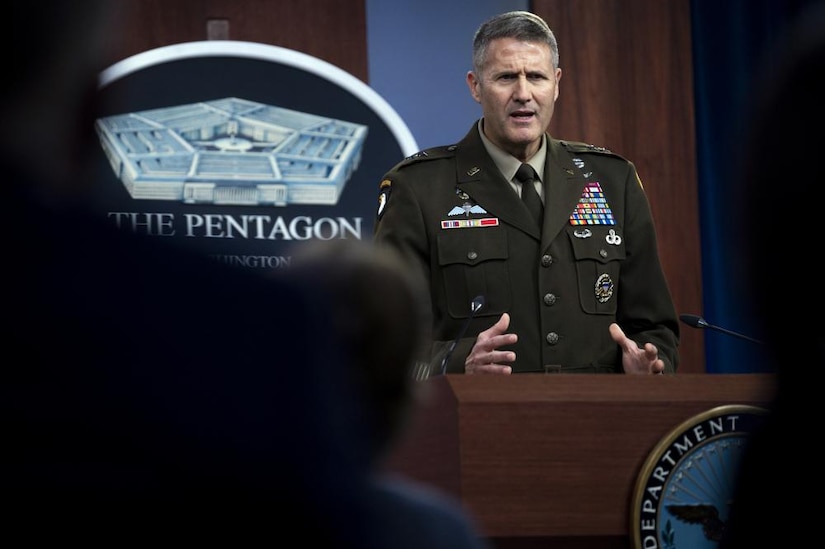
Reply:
x=506, y=163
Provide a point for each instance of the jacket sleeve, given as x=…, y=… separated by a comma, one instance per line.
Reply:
x=646, y=312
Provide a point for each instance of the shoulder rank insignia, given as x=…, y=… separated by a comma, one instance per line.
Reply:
x=428, y=154
x=578, y=146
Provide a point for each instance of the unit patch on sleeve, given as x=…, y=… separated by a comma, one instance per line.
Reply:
x=383, y=196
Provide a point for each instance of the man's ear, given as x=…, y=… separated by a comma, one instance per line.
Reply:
x=558, y=79
x=473, y=83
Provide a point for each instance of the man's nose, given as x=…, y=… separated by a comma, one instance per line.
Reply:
x=522, y=90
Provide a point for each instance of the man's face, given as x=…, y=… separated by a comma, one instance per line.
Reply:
x=517, y=90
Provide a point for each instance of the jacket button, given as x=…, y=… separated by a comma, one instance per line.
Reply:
x=550, y=299
x=552, y=338
x=472, y=256
x=546, y=260
x=603, y=253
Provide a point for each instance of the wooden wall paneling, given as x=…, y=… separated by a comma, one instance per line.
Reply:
x=627, y=84
x=332, y=30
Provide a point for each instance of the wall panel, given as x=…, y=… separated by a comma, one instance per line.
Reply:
x=332, y=30
x=627, y=84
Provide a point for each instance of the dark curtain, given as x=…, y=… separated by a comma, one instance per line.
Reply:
x=732, y=44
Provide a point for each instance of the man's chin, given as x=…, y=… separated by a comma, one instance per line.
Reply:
x=524, y=139
x=524, y=135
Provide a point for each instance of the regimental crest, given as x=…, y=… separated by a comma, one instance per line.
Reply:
x=467, y=207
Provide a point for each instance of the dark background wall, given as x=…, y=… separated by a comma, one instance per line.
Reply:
x=632, y=69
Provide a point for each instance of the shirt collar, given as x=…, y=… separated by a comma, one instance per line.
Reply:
x=508, y=164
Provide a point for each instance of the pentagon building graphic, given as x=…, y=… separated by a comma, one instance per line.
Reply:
x=232, y=151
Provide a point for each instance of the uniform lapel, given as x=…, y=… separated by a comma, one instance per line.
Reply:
x=563, y=186
x=478, y=176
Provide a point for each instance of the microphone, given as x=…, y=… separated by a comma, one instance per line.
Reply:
x=476, y=304
x=697, y=321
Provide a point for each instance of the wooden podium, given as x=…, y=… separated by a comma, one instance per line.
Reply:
x=538, y=458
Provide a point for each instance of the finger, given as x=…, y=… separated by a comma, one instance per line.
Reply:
x=500, y=341
x=617, y=334
x=498, y=369
x=628, y=345
x=488, y=343
x=658, y=367
x=500, y=326
x=502, y=357
x=478, y=359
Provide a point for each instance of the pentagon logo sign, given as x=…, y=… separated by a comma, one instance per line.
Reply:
x=241, y=151
x=232, y=151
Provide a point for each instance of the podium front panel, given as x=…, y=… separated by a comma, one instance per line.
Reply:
x=536, y=456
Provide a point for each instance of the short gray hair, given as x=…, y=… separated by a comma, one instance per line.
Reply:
x=521, y=25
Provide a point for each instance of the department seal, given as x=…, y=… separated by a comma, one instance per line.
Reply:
x=684, y=491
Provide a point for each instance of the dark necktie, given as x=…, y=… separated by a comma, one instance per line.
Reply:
x=526, y=176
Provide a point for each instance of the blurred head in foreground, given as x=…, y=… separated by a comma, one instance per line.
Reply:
x=376, y=305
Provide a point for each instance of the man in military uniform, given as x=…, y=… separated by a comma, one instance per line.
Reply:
x=572, y=283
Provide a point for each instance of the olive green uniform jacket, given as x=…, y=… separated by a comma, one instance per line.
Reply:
x=455, y=218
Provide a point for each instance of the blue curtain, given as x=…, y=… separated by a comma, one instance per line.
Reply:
x=732, y=40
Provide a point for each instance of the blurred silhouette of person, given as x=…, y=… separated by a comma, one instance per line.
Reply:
x=786, y=112
x=149, y=392
x=376, y=306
